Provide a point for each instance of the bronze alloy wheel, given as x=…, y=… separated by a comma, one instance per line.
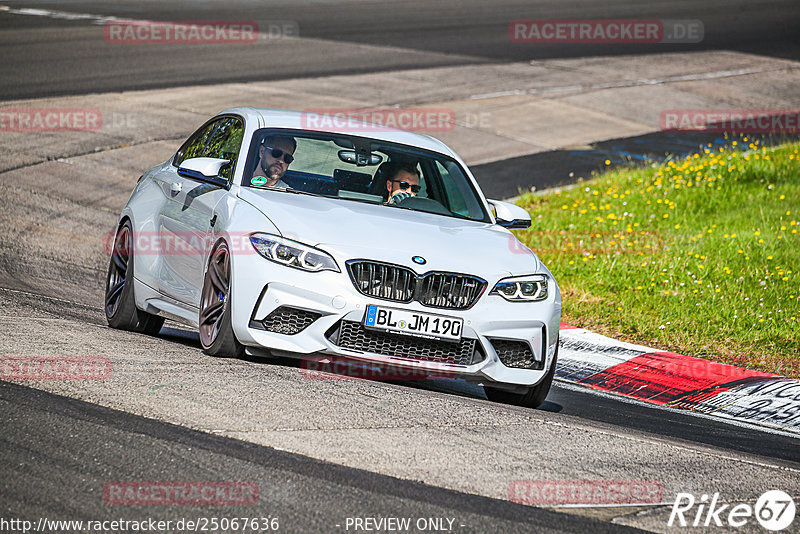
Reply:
x=216, y=332
x=120, y=302
x=214, y=301
x=118, y=270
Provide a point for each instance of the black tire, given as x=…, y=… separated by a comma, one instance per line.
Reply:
x=120, y=303
x=533, y=398
x=216, y=332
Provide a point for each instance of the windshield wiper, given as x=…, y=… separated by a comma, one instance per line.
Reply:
x=298, y=192
x=465, y=217
x=401, y=207
x=363, y=200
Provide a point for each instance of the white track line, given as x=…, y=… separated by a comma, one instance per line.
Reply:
x=62, y=15
x=101, y=20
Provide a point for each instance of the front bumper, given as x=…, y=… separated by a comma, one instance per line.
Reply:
x=331, y=308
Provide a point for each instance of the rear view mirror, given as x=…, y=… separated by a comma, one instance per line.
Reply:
x=350, y=156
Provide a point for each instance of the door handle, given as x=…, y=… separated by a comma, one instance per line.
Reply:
x=175, y=188
x=213, y=220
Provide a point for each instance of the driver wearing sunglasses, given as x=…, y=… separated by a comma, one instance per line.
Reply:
x=402, y=181
x=275, y=154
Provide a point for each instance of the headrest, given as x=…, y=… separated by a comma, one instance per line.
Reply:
x=378, y=185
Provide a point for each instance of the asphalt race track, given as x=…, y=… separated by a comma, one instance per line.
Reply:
x=323, y=452
x=305, y=494
x=46, y=56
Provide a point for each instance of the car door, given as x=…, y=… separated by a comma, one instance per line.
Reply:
x=186, y=219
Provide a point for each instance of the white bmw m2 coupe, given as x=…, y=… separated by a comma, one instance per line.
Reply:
x=360, y=242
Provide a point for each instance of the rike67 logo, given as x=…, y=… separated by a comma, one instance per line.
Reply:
x=774, y=510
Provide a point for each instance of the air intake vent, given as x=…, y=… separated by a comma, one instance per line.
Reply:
x=516, y=353
x=287, y=320
x=352, y=335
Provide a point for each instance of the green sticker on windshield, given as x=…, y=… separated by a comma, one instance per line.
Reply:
x=258, y=180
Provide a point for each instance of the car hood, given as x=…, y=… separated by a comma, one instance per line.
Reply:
x=349, y=230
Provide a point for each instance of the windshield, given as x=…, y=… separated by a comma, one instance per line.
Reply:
x=358, y=169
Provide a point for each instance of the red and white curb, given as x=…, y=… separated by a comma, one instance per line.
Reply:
x=678, y=381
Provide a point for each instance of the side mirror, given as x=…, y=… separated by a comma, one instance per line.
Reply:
x=205, y=170
x=510, y=215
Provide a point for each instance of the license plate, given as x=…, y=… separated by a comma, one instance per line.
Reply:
x=413, y=323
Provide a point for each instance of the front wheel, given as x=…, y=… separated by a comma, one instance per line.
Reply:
x=533, y=397
x=216, y=332
x=120, y=303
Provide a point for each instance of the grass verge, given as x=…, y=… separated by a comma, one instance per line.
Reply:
x=697, y=256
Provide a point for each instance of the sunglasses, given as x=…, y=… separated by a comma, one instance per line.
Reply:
x=405, y=185
x=277, y=153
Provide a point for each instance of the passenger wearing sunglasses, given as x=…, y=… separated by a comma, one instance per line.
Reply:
x=275, y=154
x=402, y=181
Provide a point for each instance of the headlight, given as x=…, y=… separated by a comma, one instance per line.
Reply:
x=293, y=254
x=522, y=288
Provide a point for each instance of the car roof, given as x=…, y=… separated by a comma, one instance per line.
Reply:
x=298, y=120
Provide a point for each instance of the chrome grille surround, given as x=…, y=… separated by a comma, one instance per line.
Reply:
x=354, y=336
x=434, y=289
